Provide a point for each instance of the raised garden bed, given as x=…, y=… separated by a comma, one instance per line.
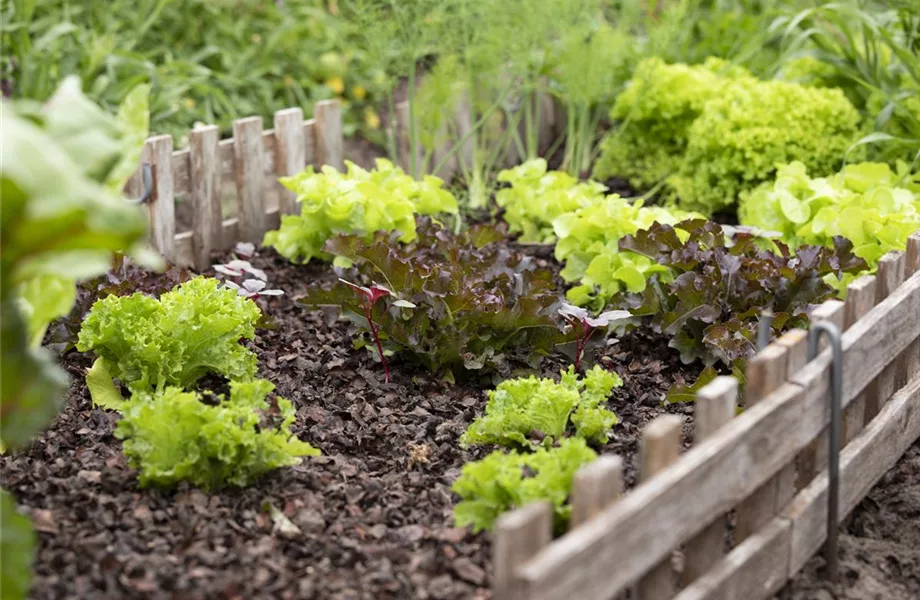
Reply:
x=373, y=514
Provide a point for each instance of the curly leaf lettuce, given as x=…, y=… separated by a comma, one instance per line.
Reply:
x=174, y=436
x=503, y=481
x=529, y=411
x=193, y=330
x=356, y=202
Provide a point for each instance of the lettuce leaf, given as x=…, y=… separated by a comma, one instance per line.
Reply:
x=503, y=481
x=189, y=332
x=174, y=436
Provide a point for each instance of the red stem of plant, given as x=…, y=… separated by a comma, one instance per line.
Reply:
x=369, y=314
x=580, y=342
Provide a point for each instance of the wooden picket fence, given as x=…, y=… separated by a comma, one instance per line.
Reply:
x=667, y=537
x=251, y=162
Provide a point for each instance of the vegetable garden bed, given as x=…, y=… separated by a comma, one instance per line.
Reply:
x=371, y=518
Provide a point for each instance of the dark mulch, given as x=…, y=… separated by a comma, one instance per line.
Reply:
x=373, y=513
x=879, y=547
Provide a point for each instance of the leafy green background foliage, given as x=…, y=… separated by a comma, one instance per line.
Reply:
x=189, y=332
x=589, y=245
x=712, y=131
x=498, y=483
x=721, y=287
x=871, y=205
x=536, y=198
x=253, y=58
x=531, y=411
x=17, y=547
x=745, y=132
x=477, y=305
x=174, y=436
x=356, y=202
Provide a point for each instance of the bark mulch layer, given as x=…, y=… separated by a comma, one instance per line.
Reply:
x=879, y=547
x=373, y=513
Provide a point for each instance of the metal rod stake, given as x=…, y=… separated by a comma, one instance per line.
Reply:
x=833, y=446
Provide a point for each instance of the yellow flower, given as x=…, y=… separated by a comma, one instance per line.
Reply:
x=256, y=38
x=371, y=118
x=336, y=84
x=359, y=92
x=288, y=81
x=189, y=103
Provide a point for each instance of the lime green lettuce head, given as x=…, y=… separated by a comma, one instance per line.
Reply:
x=870, y=204
x=589, y=245
x=536, y=198
x=355, y=202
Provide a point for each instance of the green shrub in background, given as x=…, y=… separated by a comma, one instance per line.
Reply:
x=174, y=436
x=873, y=206
x=744, y=132
x=712, y=131
x=356, y=202
x=206, y=60
x=655, y=113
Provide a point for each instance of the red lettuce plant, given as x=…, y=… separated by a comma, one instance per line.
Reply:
x=452, y=303
x=720, y=284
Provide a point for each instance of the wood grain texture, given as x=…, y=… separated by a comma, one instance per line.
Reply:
x=765, y=373
x=205, y=194
x=595, y=487
x=291, y=154
x=645, y=525
x=910, y=361
x=755, y=570
x=889, y=276
x=248, y=154
x=518, y=536
x=860, y=300
x=327, y=130
x=795, y=341
x=714, y=407
x=659, y=448
x=862, y=463
x=161, y=206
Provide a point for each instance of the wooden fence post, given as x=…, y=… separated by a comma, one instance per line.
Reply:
x=204, y=180
x=860, y=300
x=290, y=154
x=519, y=535
x=890, y=275
x=328, y=131
x=658, y=449
x=714, y=407
x=161, y=206
x=911, y=364
x=595, y=487
x=795, y=341
x=765, y=373
x=248, y=154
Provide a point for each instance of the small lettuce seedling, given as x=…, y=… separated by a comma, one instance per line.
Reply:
x=583, y=326
x=503, y=481
x=529, y=412
x=173, y=436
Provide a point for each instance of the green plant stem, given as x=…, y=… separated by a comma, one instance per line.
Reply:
x=413, y=141
x=391, y=138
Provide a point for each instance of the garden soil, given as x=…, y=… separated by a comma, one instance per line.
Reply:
x=879, y=547
x=369, y=519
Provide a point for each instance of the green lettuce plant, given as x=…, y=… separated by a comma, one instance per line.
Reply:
x=358, y=202
x=536, y=198
x=743, y=133
x=149, y=343
x=873, y=206
x=654, y=114
x=589, y=246
x=175, y=436
x=529, y=411
x=503, y=481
